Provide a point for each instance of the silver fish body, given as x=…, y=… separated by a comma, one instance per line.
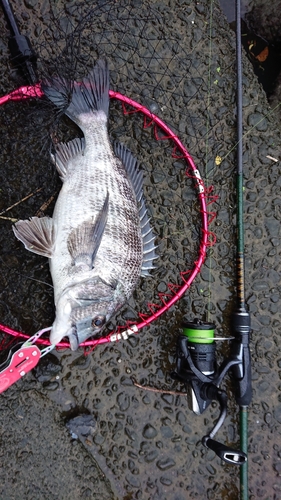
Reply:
x=99, y=240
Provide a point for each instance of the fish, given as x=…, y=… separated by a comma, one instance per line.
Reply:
x=99, y=241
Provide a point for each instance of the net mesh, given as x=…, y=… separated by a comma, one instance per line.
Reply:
x=165, y=75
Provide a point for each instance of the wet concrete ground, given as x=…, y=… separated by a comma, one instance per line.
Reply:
x=130, y=443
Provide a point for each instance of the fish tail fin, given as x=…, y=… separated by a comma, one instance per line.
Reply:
x=89, y=96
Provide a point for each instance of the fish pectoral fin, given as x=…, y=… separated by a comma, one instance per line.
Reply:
x=84, y=241
x=37, y=235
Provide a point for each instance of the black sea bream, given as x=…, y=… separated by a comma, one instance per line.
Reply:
x=99, y=240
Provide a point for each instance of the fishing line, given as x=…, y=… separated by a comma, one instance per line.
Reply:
x=245, y=134
x=28, y=277
x=207, y=135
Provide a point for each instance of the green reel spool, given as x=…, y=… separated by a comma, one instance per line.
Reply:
x=199, y=332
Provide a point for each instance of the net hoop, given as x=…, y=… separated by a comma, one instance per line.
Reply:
x=207, y=238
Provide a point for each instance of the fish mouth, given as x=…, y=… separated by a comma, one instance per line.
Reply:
x=73, y=340
x=71, y=334
x=79, y=333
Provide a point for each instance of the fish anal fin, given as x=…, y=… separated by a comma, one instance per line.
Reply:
x=65, y=152
x=37, y=235
x=84, y=241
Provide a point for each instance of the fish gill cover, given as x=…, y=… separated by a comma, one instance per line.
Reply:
x=176, y=58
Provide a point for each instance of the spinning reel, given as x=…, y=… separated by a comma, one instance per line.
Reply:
x=196, y=366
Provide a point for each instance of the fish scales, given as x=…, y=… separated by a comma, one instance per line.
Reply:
x=122, y=240
x=99, y=239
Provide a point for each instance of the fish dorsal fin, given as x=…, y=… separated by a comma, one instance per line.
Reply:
x=136, y=177
x=132, y=168
x=64, y=152
x=37, y=235
x=84, y=241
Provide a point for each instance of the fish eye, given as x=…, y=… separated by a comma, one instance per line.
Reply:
x=98, y=321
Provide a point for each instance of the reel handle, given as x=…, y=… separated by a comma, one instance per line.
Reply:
x=229, y=455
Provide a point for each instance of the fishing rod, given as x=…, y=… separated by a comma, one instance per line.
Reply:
x=241, y=319
x=22, y=55
x=196, y=364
